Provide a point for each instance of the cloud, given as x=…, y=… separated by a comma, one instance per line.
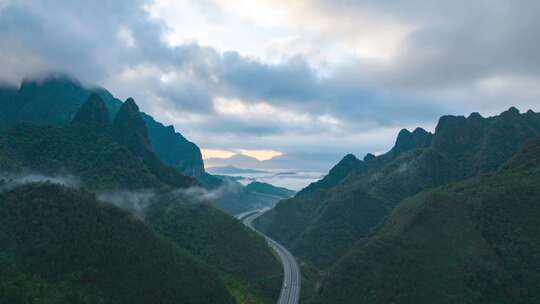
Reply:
x=216, y=153
x=282, y=75
x=10, y=180
x=135, y=202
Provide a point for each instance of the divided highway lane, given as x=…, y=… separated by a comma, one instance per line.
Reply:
x=290, y=289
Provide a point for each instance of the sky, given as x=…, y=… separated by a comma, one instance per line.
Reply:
x=270, y=78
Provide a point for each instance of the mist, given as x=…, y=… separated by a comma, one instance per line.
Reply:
x=135, y=202
x=199, y=194
x=10, y=180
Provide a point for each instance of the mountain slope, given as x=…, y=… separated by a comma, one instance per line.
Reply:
x=234, y=198
x=474, y=241
x=55, y=99
x=94, y=155
x=117, y=161
x=60, y=245
x=243, y=258
x=130, y=130
x=267, y=189
x=324, y=220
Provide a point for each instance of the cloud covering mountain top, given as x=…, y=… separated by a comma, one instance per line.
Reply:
x=291, y=76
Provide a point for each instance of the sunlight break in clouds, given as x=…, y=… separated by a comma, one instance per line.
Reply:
x=261, y=154
x=274, y=29
x=216, y=153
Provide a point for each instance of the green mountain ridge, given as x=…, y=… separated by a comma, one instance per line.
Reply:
x=241, y=256
x=324, y=220
x=268, y=189
x=61, y=245
x=55, y=99
x=98, y=156
x=474, y=241
x=118, y=156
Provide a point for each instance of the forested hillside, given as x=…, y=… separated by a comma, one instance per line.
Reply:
x=60, y=245
x=474, y=241
x=55, y=99
x=242, y=257
x=113, y=158
x=324, y=220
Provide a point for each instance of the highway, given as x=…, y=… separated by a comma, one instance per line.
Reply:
x=290, y=288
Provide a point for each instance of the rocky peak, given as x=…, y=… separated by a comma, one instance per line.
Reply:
x=130, y=129
x=475, y=116
x=93, y=114
x=513, y=110
x=510, y=115
x=349, y=158
x=407, y=141
x=369, y=157
x=348, y=164
x=449, y=123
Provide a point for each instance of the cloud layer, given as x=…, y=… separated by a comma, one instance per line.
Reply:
x=292, y=76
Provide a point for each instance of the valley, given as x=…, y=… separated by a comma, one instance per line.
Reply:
x=90, y=204
x=291, y=284
x=269, y=151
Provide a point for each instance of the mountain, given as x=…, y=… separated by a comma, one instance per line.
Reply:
x=348, y=165
x=107, y=159
x=242, y=258
x=324, y=220
x=130, y=129
x=234, y=198
x=55, y=99
x=174, y=149
x=233, y=170
x=267, y=189
x=474, y=241
x=60, y=245
x=315, y=161
x=117, y=162
x=93, y=116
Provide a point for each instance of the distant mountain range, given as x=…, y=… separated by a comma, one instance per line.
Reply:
x=385, y=233
x=233, y=170
x=316, y=161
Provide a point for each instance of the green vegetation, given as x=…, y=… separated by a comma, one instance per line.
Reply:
x=91, y=149
x=56, y=99
x=326, y=219
x=265, y=188
x=311, y=282
x=241, y=256
x=183, y=238
x=100, y=162
x=474, y=241
x=234, y=198
x=60, y=245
